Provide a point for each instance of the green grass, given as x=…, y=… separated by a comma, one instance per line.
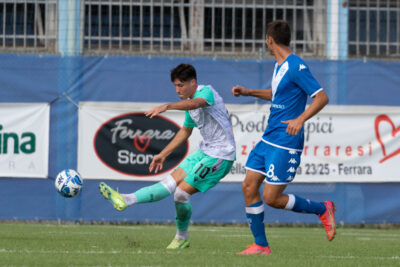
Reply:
x=144, y=245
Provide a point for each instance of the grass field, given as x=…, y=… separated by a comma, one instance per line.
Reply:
x=144, y=245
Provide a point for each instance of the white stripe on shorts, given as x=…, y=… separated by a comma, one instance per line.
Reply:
x=282, y=147
x=254, y=170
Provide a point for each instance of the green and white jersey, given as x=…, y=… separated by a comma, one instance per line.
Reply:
x=214, y=124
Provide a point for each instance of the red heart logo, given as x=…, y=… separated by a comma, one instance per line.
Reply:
x=141, y=143
x=395, y=130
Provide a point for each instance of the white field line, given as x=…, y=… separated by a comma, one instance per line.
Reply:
x=68, y=232
x=192, y=229
x=219, y=230
x=249, y=235
x=376, y=238
x=134, y=227
x=246, y=232
x=397, y=258
x=3, y=250
x=371, y=234
x=364, y=233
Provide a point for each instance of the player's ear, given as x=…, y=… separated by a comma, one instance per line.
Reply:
x=269, y=40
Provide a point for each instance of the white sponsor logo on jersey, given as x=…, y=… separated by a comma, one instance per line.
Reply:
x=302, y=67
x=293, y=161
x=278, y=106
x=290, y=178
x=292, y=152
x=291, y=169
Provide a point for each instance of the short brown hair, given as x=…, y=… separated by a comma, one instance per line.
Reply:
x=183, y=72
x=279, y=30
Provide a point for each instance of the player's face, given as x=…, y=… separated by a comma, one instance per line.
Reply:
x=186, y=89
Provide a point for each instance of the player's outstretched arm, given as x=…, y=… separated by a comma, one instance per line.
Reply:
x=181, y=136
x=265, y=94
x=320, y=101
x=189, y=104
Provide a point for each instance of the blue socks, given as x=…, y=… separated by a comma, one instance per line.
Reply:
x=299, y=204
x=255, y=218
x=255, y=215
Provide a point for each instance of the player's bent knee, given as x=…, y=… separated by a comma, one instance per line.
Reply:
x=181, y=196
x=169, y=183
x=271, y=201
x=249, y=188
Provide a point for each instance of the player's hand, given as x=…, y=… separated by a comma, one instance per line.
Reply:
x=294, y=126
x=157, y=110
x=157, y=163
x=239, y=90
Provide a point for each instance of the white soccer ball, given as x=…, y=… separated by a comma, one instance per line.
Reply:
x=69, y=183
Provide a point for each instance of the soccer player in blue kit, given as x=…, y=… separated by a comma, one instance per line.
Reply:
x=276, y=157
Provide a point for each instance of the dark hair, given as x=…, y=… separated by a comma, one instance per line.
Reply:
x=183, y=72
x=279, y=30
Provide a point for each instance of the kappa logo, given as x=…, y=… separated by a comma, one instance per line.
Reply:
x=289, y=179
x=302, y=67
x=292, y=152
x=275, y=178
x=293, y=161
x=292, y=170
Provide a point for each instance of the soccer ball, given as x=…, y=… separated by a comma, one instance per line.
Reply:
x=68, y=183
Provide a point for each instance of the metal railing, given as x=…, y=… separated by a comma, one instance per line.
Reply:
x=374, y=28
x=230, y=28
x=28, y=26
x=200, y=27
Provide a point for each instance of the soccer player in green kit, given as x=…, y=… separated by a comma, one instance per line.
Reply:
x=201, y=170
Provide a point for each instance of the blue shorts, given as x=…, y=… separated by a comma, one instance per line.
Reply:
x=277, y=164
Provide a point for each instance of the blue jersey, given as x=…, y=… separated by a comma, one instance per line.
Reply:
x=292, y=83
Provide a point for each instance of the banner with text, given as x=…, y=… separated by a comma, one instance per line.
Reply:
x=117, y=141
x=342, y=143
x=24, y=139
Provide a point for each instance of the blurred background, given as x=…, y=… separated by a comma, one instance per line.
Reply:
x=69, y=66
x=214, y=28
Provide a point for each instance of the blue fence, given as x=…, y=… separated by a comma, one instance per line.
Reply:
x=64, y=81
x=36, y=199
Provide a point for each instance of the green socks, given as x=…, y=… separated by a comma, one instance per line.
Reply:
x=183, y=214
x=155, y=192
x=151, y=193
